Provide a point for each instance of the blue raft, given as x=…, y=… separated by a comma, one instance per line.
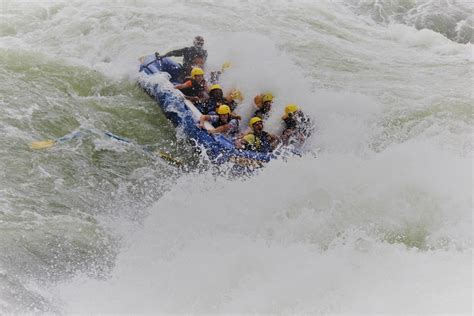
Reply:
x=157, y=77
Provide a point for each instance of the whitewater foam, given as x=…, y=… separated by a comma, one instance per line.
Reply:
x=377, y=218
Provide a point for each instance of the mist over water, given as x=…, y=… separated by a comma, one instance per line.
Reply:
x=375, y=218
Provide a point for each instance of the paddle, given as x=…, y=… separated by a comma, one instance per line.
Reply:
x=45, y=144
x=215, y=75
x=164, y=155
x=226, y=65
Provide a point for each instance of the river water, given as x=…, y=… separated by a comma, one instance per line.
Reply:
x=376, y=218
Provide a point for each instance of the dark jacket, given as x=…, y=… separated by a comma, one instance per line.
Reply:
x=195, y=89
x=300, y=123
x=210, y=105
x=262, y=113
x=188, y=53
x=262, y=143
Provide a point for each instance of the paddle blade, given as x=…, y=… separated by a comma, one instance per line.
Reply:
x=226, y=65
x=169, y=158
x=236, y=94
x=43, y=144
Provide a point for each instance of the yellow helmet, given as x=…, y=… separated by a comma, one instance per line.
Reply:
x=254, y=120
x=226, y=65
x=290, y=108
x=223, y=109
x=214, y=87
x=267, y=97
x=196, y=71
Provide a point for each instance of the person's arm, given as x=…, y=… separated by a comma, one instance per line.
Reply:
x=232, y=126
x=187, y=97
x=240, y=143
x=202, y=119
x=192, y=99
x=285, y=135
x=235, y=116
x=184, y=85
x=176, y=52
x=181, y=86
x=274, y=140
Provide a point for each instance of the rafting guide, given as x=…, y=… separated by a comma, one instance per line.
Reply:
x=193, y=56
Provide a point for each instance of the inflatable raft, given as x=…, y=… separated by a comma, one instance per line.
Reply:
x=158, y=76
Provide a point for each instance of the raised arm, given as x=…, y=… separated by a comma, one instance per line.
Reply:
x=274, y=140
x=245, y=141
x=240, y=143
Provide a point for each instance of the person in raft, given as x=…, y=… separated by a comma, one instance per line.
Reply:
x=195, y=87
x=194, y=56
x=223, y=123
x=298, y=126
x=264, y=103
x=258, y=140
x=216, y=98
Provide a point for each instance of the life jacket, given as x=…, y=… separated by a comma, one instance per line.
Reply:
x=212, y=104
x=220, y=123
x=195, y=89
x=261, y=113
x=300, y=123
x=290, y=123
x=232, y=104
x=259, y=143
x=207, y=106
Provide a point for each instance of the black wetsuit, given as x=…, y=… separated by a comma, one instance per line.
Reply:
x=211, y=105
x=299, y=123
x=261, y=113
x=262, y=143
x=188, y=53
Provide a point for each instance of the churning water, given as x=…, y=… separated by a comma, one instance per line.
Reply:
x=376, y=218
